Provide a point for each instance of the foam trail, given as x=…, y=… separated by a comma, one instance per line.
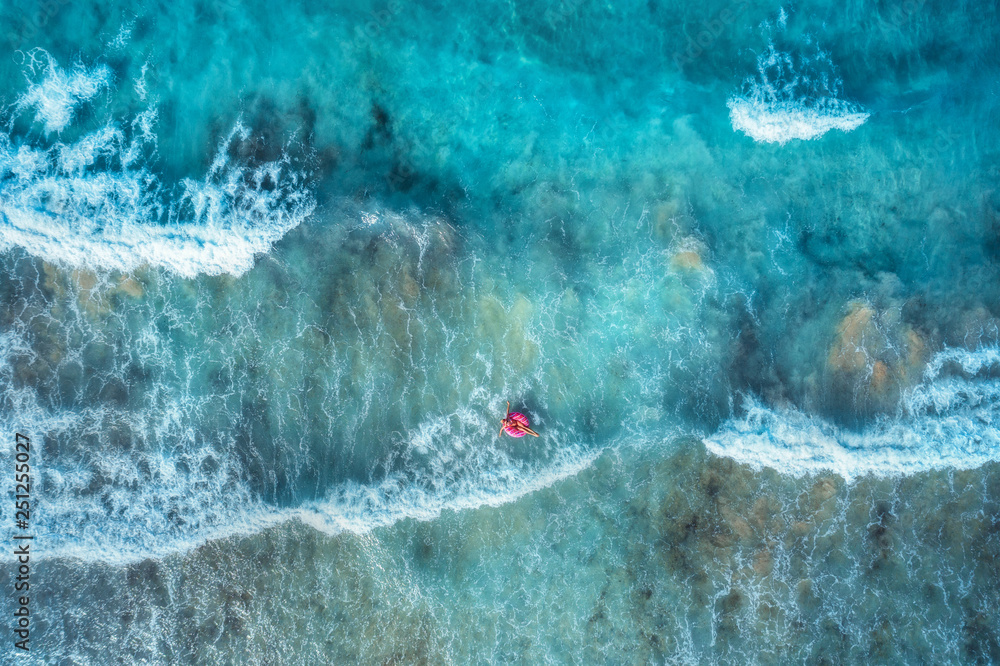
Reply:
x=128, y=529
x=792, y=98
x=945, y=422
x=172, y=491
x=359, y=508
x=57, y=95
x=95, y=204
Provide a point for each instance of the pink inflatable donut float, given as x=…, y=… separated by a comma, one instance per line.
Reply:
x=520, y=418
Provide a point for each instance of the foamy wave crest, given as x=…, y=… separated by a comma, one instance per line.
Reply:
x=173, y=489
x=360, y=508
x=57, y=95
x=950, y=420
x=792, y=98
x=95, y=203
x=184, y=508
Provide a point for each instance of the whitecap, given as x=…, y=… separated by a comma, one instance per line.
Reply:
x=793, y=97
x=150, y=500
x=96, y=202
x=947, y=421
x=171, y=506
x=58, y=94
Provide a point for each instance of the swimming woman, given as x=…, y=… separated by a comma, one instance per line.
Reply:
x=515, y=424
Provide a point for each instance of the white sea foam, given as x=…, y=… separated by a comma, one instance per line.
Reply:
x=175, y=489
x=792, y=98
x=948, y=421
x=168, y=509
x=57, y=95
x=361, y=508
x=95, y=203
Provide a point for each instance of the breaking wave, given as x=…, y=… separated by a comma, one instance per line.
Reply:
x=793, y=97
x=96, y=203
x=150, y=482
x=950, y=420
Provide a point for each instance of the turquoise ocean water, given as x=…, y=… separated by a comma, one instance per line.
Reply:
x=269, y=273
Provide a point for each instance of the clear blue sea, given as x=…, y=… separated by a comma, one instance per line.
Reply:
x=270, y=272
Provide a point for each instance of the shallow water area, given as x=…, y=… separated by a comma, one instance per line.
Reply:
x=269, y=276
